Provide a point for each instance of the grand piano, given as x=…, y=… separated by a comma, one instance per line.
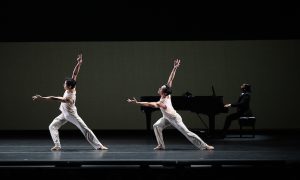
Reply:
x=208, y=105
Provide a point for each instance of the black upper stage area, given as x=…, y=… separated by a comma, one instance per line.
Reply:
x=149, y=21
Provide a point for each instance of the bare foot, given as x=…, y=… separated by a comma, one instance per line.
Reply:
x=102, y=148
x=56, y=148
x=159, y=147
x=208, y=147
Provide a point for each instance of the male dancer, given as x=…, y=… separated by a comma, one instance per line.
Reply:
x=170, y=116
x=69, y=112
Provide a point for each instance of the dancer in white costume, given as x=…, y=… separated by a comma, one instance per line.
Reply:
x=69, y=112
x=170, y=116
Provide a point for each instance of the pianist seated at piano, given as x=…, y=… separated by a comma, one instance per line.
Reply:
x=242, y=107
x=170, y=116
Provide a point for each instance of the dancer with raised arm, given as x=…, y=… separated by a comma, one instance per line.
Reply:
x=69, y=112
x=170, y=116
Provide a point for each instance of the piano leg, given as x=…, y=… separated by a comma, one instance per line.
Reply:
x=211, y=125
x=148, y=120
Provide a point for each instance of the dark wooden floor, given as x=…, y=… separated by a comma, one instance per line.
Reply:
x=131, y=155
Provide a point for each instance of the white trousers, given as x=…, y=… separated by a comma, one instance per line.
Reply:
x=77, y=121
x=176, y=122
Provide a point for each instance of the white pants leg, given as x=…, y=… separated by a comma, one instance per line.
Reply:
x=89, y=135
x=158, y=127
x=192, y=137
x=54, y=126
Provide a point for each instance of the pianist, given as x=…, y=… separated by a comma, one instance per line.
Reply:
x=170, y=116
x=242, y=107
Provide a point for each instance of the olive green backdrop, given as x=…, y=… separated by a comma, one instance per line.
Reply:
x=113, y=71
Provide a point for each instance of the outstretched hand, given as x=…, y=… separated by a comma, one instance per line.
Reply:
x=132, y=100
x=36, y=97
x=79, y=58
x=176, y=63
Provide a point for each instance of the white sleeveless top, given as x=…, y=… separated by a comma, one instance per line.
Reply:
x=69, y=108
x=169, y=112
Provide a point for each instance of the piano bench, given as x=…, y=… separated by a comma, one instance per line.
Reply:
x=246, y=121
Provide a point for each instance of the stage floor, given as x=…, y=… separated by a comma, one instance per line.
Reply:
x=135, y=151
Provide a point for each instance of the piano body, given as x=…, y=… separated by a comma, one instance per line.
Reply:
x=208, y=105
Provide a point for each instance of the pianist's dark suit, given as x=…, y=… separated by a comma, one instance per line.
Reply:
x=243, y=109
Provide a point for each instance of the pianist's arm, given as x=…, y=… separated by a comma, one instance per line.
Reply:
x=243, y=102
x=173, y=72
x=148, y=104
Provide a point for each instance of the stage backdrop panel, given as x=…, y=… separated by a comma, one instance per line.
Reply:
x=113, y=71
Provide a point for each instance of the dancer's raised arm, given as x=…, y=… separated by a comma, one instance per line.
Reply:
x=77, y=67
x=173, y=72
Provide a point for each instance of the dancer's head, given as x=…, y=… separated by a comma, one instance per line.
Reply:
x=69, y=84
x=164, y=90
